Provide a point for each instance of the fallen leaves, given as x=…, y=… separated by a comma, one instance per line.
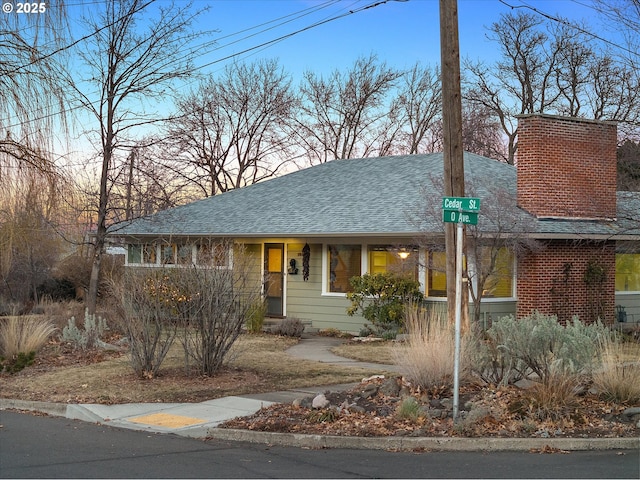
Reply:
x=492, y=418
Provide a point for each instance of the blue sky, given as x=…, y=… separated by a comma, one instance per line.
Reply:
x=399, y=32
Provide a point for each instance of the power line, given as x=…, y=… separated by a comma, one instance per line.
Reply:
x=73, y=44
x=200, y=67
x=570, y=25
x=289, y=35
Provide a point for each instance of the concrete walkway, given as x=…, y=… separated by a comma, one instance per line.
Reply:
x=198, y=420
x=318, y=349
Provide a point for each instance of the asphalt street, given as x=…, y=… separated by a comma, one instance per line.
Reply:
x=36, y=446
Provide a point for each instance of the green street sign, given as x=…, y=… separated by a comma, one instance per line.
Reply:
x=453, y=216
x=468, y=204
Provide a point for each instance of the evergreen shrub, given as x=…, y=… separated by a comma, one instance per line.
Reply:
x=381, y=299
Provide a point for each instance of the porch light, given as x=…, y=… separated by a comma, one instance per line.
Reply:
x=404, y=254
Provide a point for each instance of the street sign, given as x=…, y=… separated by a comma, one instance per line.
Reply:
x=460, y=210
x=468, y=204
x=453, y=216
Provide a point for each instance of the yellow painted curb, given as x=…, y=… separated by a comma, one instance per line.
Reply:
x=167, y=420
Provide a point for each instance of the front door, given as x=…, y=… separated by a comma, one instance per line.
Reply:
x=274, y=278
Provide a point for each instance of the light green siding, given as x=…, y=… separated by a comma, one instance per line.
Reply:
x=305, y=300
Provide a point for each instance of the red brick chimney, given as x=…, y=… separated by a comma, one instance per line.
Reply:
x=566, y=167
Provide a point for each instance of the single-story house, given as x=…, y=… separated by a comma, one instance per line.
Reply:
x=311, y=230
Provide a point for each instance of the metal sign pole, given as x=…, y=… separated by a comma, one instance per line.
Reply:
x=456, y=357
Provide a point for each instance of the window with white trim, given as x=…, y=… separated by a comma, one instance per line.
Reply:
x=498, y=284
x=390, y=259
x=343, y=262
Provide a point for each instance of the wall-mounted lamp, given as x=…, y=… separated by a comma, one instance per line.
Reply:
x=404, y=254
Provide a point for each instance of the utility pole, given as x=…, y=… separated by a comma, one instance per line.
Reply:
x=452, y=126
x=129, y=209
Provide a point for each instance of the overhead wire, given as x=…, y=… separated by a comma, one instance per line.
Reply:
x=227, y=57
x=569, y=24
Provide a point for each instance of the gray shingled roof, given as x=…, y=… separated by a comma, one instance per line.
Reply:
x=368, y=196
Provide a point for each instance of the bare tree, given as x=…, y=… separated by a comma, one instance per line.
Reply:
x=629, y=166
x=420, y=105
x=502, y=233
x=481, y=133
x=233, y=130
x=551, y=67
x=29, y=245
x=127, y=63
x=521, y=82
x=342, y=116
x=31, y=93
x=623, y=17
x=142, y=185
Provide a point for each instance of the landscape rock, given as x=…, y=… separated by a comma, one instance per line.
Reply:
x=391, y=387
x=320, y=401
x=524, y=383
x=447, y=403
x=632, y=414
x=371, y=390
x=631, y=411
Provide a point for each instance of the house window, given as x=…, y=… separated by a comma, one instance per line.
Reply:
x=149, y=253
x=437, y=274
x=499, y=282
x=401, y=261
x=168, y=254
x=134, y=253
x=184, y=254
x=344, y=262
x=627, y=272
x=213, y=255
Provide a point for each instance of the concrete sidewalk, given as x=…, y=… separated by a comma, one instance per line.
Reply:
x=199, y=420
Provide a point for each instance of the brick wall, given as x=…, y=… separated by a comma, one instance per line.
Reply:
x=552, y=281
x=566, y=167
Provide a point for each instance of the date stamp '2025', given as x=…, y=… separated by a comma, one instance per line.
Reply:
x=24, y=7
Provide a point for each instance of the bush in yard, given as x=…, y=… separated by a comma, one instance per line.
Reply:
x=90, y=336
x=539, y=346
x=151, y=304
x=409, y=409
x=220, y=302
x=427, y=356
x=554, y=398
x=492, y=361
x=381, y=298
x=20, y=339
x=255, y=317
x=289, y=327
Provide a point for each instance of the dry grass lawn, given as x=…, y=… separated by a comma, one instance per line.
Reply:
x=374, y=352
x=258, y=364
